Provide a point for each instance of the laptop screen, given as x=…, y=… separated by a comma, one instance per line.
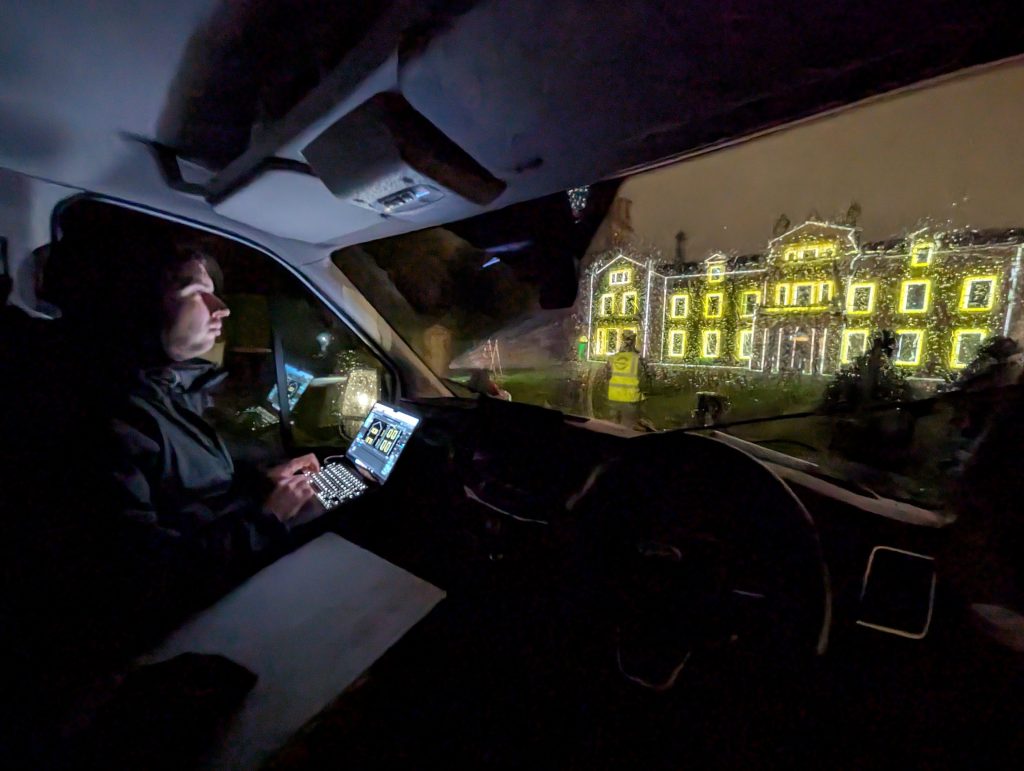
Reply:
x=381, y=439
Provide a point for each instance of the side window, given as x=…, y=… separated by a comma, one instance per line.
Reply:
x=275, y=327
x=332, y=377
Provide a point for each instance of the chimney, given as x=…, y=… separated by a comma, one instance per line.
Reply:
x=680, y=249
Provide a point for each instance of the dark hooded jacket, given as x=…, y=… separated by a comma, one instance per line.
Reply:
x=184, y=507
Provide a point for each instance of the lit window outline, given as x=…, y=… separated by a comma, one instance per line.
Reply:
x=706, y=335
x=826, y=296
x=965, y=293
x=625, y=276
x=844, y=355
x=928, y=250
x=782, y=294
x=599, y=342
x=810, y=296
x=811, y=253
x=673, y=335
x=852, y=293
x=636, y=303
x=756, y=294
x=611, y=305
x=958, y=336
x=608, y=347
x=716, y=273
x=917, y=333
x=905, y=293
x=745, y=334
x=707, y=305
x=685, y=297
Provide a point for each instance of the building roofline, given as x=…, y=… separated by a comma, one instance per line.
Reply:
x=849, y=231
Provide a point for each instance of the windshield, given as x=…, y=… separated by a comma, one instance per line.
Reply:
x=862, y=267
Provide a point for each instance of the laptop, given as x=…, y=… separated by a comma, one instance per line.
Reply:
x=370, y=458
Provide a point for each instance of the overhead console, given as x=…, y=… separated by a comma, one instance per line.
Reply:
x=386, y=157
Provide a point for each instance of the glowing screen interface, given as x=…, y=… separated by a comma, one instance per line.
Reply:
x=381, y=439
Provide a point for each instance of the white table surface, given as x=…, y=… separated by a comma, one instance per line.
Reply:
x=308, y=625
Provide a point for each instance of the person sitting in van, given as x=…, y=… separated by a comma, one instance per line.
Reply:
x=188, y=521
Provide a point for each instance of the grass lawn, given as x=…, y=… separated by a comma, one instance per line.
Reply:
x=672, y=395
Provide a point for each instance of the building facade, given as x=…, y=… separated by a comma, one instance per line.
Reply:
x=814, y=301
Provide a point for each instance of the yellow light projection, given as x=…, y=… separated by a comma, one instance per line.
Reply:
x=713, y=305
x=810, y=251
x=749, y=301
x=966, y=343
x=745, y=345
x=855, y=343
x=915, y=295
x=679, y=306
x=929, y=284
x=711, y=340
x=621, y=277
x=677, y=343
x=921, y=254
x=860, y=298
x=803, y=293
x=909, y=347
x=979, y=294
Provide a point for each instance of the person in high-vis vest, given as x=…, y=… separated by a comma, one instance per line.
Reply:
x=627, y=375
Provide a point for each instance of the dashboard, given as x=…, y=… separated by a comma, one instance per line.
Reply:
x=487, y=504
x=488, y=487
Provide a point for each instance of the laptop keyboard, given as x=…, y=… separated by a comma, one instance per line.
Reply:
x=335, y=483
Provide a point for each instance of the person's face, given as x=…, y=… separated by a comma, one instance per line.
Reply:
x=193, y=314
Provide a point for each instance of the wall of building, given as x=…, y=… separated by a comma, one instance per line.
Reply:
x=814, y=300
x=711, y=316
x=618, y=288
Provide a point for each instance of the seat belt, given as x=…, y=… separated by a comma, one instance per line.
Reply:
x=281, y=375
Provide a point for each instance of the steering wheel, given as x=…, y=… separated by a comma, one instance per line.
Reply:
x=693, y=550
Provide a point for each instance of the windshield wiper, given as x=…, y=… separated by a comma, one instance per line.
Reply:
x=459, y=386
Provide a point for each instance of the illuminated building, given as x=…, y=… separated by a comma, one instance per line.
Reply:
x=619, y=288
x=814, y=301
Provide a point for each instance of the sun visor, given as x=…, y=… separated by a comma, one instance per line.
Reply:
x=386, y=157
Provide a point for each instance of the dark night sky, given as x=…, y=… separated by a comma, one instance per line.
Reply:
x=951, y=152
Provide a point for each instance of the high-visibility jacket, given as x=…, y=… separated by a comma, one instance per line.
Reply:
x=624, y=384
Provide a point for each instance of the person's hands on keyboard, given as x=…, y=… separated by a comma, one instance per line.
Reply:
x=336, y=483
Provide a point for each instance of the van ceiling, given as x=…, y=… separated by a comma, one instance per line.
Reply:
x=545, y=94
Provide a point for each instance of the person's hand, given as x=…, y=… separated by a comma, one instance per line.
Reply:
x=290, y=496
x=304, y=464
